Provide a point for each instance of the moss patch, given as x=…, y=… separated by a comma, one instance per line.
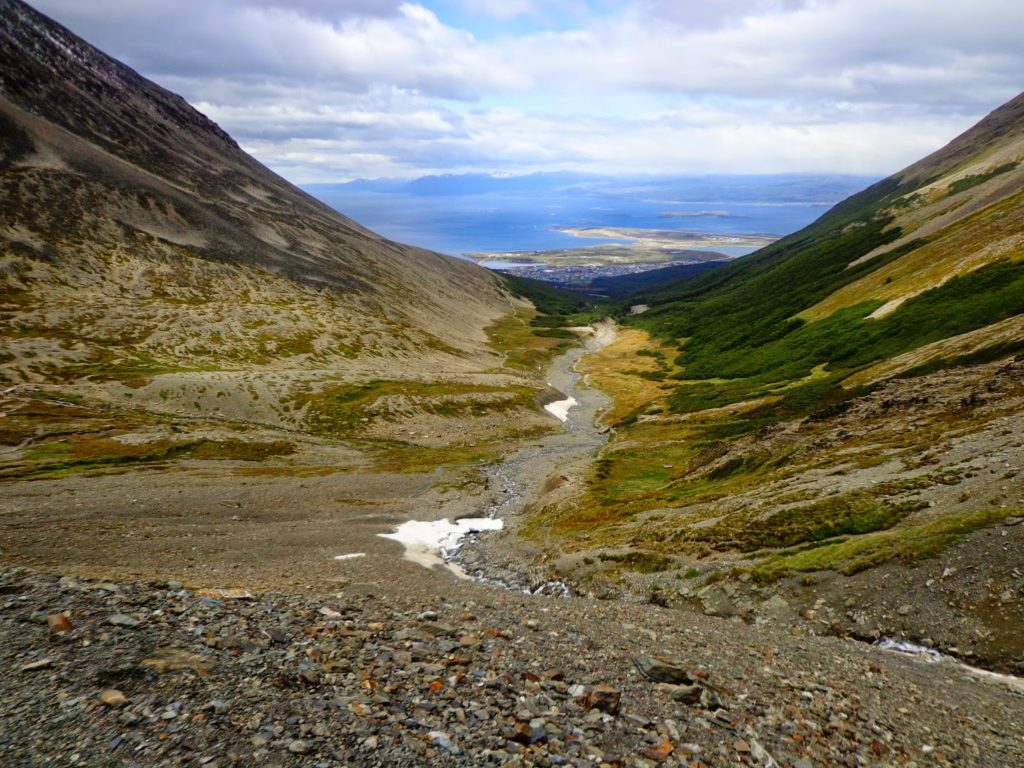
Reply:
x=909, y=544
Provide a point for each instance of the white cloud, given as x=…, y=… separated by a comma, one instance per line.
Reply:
x=332, y=89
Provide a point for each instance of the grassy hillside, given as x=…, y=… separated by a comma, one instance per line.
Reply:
x=759, y=429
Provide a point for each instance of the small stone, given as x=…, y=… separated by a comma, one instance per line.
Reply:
x=321, y=730
x=58, y=623
x=113, y=697
x=520, y=734
x=129, y=718
x=710, y=700
x=538, y=730
x=225, y=594
x=604, y=699
x=277, y=636
x=1011, y=521
x=662, y=670
x=299, y=747
x=123, y=620
x=32, y=666
x=166, y=660
x=660, y=753
x=687, y=694
x=444, y=741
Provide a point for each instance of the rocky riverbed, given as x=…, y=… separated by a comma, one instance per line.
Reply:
x=100, y=673
x=535, y=469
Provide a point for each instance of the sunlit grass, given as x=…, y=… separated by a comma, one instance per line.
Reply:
x=631, y=371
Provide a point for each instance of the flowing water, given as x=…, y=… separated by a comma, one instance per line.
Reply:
x=468, y=547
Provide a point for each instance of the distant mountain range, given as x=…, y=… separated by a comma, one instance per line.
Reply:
x=781, y=188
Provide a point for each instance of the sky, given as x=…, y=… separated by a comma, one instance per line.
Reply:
x=332, y=90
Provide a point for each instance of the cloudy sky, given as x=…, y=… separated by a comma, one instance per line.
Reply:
x=330, y=90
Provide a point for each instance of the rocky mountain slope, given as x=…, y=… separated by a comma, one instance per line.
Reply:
x=832, y=424
x=147, y=258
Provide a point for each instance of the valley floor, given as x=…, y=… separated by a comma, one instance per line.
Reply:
x=378, y=661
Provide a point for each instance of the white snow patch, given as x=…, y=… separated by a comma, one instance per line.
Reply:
x=352, y=556
x=560, y=408
x=427, y=541
x=901, y=646
x=932, y=656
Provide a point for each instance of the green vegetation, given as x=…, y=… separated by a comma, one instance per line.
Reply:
x=340, y=410
x=640, y=562
x=241, y=450
x=852, y=514
x=523, y=345
x=965, y=183
x=135, y=371
x=92, y=453
x=556, y=307
x=910, y=544
x=847, y=341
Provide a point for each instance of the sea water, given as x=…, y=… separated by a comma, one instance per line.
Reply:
x=504, y=223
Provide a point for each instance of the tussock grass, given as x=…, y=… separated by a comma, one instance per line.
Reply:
x=85, y=453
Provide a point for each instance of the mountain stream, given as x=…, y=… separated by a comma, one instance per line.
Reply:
x=469, y=547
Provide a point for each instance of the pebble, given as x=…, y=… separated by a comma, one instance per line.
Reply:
x=276, y=681
x=662, y=670
x=113, y=697
x=444, y=741
x=32, y=666
x=688, y=694
x=58, y=623
x=604, y=698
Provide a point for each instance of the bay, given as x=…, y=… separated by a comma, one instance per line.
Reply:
x=504, y=222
